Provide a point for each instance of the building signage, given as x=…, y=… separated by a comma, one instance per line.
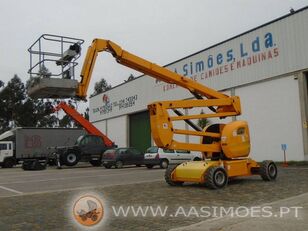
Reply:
x=108, y=106
x=259, y=49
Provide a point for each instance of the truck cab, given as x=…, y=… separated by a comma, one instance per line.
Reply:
x=7, y=159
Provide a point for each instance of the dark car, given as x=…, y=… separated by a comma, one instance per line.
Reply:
x=122, y=156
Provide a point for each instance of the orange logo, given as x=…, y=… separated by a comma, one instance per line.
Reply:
x=88, y=210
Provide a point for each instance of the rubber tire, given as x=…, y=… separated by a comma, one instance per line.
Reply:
x=108, y=166
x=33, y=165
x=268, y=170
x=68, y=163
x=119, y=164
x=95, y=163
x=164, y=164
x=8, y=163
x=196, y=159
x=149, y=166
x=168, y=178
x=211, y=177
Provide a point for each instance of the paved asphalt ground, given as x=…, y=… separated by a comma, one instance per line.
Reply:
x=15, y=181
x=42, y=200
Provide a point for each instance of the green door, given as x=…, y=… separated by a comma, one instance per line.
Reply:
x=140, y=131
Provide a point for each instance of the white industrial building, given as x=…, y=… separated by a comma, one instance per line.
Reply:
x=266, y=66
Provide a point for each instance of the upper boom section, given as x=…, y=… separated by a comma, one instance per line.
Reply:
x=132, y=61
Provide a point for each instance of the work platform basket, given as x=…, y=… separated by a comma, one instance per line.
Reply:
x=52, y=66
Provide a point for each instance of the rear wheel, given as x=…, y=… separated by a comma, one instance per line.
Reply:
x=149, y=166
x=108, y=166
x=8, y=163
x=168, y=176
x=216, y=177
x=119, y=164
x=164, y=163
x=70, y=158
x=95, y=163
x=268, y=170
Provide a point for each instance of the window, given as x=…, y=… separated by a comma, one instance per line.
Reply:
x=122, y=150
x=99, y=141
x=92, y=140
x=168, y=151
x=183, y=151
x=135, y=151
x=3, y=146
x=110, y=151
x=84, y=141
x=10, y=146
x=78, y=141
x=152, y=150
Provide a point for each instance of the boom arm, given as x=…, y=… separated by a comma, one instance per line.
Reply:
x=132, y=61
x=83, y=122
x=161, y=121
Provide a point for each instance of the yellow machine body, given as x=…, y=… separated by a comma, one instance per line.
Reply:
x=235, y=139
x=194, y=171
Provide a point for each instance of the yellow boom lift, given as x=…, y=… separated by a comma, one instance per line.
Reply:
x=225, y=147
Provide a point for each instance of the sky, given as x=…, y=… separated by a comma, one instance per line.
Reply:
x=161, y=31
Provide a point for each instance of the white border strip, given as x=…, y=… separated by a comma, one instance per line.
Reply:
x=11, y=190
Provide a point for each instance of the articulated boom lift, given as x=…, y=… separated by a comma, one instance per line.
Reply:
x=225, y=147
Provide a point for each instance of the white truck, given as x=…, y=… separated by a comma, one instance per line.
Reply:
x=23, y=143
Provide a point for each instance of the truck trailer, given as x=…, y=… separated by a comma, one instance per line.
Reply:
x=24, y=143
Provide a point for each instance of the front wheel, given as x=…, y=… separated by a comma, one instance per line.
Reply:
x=149, y=166
x=268, y=170
x=119, y=164
x=216, y=177
x=168, y=176
x=108, y=166
x=8, y=163
x=164, y=164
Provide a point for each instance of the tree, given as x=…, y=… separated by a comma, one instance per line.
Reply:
x=65, y=122
x=100, y=87
x=12, y=97
x=44, y=72
x=17, y=109
x=202, y=123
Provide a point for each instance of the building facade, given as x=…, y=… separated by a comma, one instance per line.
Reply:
x=267, y=67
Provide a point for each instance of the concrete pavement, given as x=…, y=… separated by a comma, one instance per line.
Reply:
x=18, y=182
x=287, y=214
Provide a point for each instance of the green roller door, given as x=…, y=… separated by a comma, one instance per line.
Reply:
x=140, y=131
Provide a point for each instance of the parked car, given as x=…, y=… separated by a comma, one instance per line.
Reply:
x=119, y=157
x=164, y=157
